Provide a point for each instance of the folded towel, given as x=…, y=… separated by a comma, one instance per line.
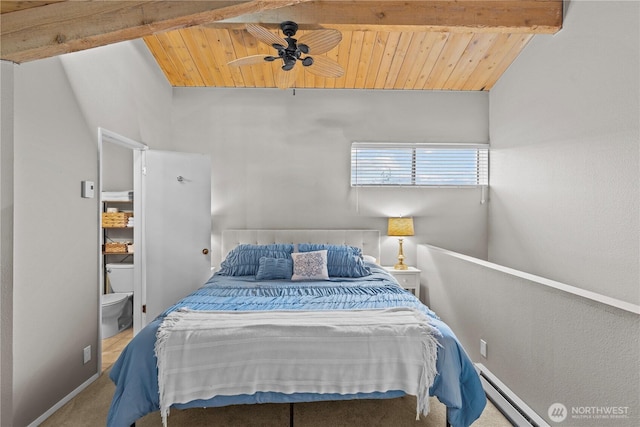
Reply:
x=117, y=196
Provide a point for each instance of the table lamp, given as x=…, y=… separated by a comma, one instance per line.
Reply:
x=400, y=227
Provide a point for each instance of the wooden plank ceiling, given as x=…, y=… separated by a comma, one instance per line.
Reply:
x=407, y=45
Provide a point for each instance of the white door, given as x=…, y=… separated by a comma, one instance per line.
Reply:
x=174, y=217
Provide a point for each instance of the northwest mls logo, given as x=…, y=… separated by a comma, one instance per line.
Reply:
x=557, y=412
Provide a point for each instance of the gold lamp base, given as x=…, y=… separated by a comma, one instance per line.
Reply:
x=400, y=265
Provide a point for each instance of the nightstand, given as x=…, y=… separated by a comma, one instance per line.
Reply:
x=409, y=279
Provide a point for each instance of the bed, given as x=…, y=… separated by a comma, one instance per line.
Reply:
x=252, y=282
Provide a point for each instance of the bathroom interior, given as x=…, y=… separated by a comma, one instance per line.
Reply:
x=117, y=251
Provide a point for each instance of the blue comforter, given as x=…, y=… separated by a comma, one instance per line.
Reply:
x=135, y=374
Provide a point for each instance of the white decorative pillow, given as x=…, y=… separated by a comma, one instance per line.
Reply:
x=369, y=258
x=310, y=265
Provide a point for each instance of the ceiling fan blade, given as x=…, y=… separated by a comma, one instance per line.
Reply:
x=286, y=79
x=248, y=60
x=320, y=41
x=264, y=35
x=325, y=67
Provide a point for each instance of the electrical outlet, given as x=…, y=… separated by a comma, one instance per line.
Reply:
x=86, y=354
x=483, y=348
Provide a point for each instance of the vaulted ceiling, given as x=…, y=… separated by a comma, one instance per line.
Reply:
x=410, y=44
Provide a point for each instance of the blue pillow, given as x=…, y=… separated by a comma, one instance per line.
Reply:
x=244, y=259
x=342, y=260
x=274, y=268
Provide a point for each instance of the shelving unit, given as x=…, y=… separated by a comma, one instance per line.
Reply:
x=116, y=231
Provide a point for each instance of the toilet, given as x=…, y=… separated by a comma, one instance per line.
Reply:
x=117, y=307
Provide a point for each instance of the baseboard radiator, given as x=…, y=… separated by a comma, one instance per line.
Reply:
x=513, y=408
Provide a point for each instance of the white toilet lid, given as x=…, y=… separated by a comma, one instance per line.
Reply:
x=114, y=298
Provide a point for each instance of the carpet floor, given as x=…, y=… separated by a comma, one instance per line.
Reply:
x=90, y=407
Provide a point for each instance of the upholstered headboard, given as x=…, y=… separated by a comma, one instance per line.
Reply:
x=368, y=240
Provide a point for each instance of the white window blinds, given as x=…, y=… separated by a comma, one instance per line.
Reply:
x=419, y=164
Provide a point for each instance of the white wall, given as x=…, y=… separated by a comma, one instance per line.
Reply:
x=546, y=345
x=6, y=242
x=55, y=283
x=283, y=161
x=565, y=182
x=120, y=88
x=564, y=204
x=55, y=297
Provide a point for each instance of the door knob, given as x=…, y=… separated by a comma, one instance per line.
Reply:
x=205, y=251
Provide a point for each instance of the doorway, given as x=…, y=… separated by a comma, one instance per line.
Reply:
x=117, y=156
x=168, y=186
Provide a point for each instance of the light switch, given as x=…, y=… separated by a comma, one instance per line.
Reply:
x=87, y=190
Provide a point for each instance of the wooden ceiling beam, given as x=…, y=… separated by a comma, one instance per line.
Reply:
x=498, y=16
x=69, y=26
x=61, y=27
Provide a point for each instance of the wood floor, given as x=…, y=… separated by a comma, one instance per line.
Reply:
x=112, y=347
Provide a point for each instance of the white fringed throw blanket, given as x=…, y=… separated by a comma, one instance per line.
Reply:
x=203, y=354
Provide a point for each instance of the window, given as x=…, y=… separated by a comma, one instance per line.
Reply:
x=419, y=165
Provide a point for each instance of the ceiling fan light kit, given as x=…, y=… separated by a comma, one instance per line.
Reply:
x=291, y=50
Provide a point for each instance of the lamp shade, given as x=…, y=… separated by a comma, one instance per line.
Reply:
x=402, y=226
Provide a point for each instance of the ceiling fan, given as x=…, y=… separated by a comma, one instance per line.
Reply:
x=291, y=51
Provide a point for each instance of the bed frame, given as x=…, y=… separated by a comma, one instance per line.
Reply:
x=368, y=240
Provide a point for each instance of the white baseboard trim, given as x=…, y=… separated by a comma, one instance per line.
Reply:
x=507, y=402
x=65, y=400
